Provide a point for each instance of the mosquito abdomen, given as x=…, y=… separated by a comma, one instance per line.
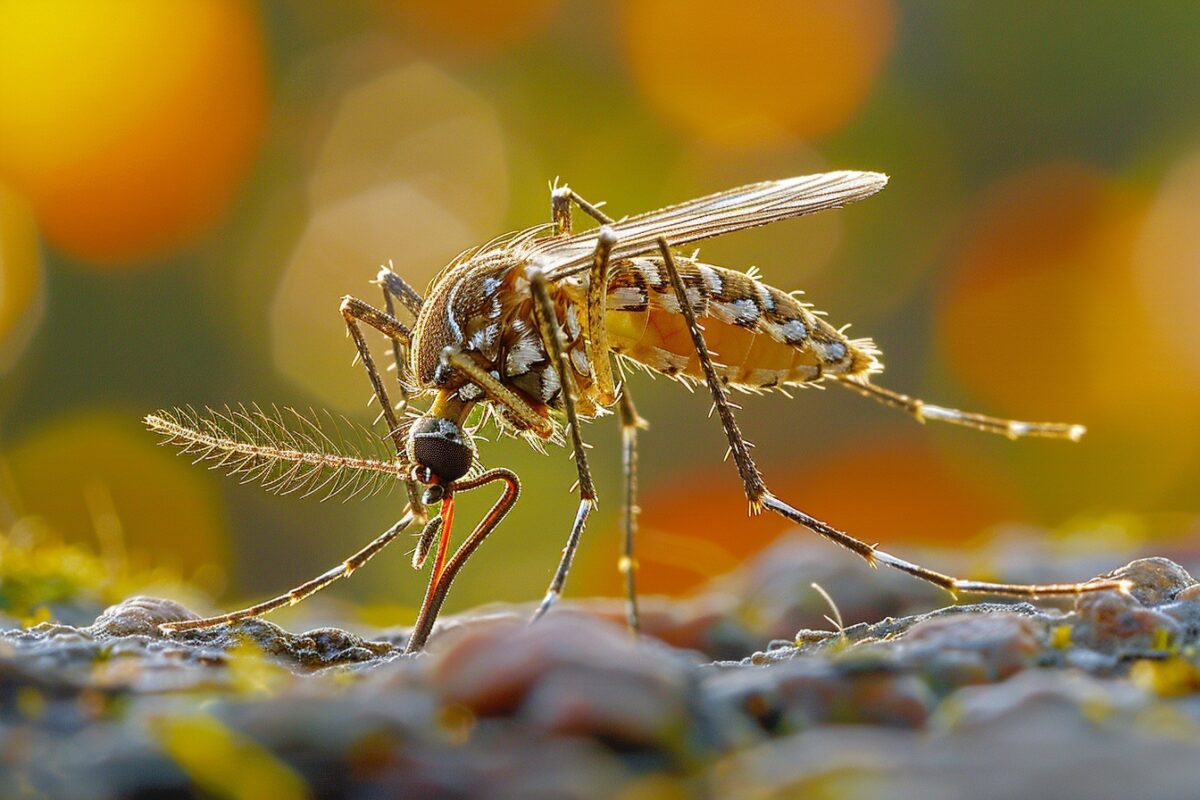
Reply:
x=759, y=337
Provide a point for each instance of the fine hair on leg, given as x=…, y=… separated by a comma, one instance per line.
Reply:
x=355, y=311
x=396, y=288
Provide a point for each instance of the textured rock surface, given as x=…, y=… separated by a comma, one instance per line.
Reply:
x=1098, y=698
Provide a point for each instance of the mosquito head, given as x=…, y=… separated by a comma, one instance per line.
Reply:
x=440, y=446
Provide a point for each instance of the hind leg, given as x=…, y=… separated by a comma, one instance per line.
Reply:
x=923, y=412
x=761, y=498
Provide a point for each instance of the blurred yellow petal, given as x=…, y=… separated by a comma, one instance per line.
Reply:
x=129, y=124
x=20, y=277
x=746, y=73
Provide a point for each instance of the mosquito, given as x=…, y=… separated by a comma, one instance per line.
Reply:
x=527, y=328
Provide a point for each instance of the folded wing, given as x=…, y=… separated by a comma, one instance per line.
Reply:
x=714, y=215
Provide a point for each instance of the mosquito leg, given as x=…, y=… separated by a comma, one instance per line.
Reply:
x=630, y=422
x=497, y=391
x=307, y=589
x=597, y=332
x=552, y=336
x=760, y=498
x=396, y=288
x=922, y=411
x=560, y=209
x=355, y=311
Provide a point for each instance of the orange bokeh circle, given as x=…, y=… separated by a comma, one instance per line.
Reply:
x=130, y=124
x=745, y=73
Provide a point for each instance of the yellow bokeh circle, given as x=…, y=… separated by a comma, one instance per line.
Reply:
x=102, y=480
x=129, y=124
x=744, y=73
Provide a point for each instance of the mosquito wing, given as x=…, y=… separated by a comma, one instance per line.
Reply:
x=705, y=217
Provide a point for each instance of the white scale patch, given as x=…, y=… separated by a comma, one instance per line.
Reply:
x=650, y=272
x=764, y=296
x=626, y=297
x=486, y=340
x=550, y=384
x=470, y=392
x=793, y=331
x=832, y=352
x=455, y=328
x=667, y=301
x=711, y=279
x=579, y=360
x=572, y=322
x=735, y=312
x=522, y=355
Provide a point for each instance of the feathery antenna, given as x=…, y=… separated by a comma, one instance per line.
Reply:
x=284, y=450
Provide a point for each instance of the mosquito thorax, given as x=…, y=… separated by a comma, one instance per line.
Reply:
x=439, y=445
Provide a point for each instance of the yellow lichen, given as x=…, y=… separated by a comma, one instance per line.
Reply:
x=1060, y=637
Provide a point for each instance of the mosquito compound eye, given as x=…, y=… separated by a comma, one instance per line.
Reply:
x=440, y=445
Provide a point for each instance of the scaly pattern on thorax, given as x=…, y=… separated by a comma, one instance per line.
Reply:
x=484, y=308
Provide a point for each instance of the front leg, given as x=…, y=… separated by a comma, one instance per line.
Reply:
x=561, y=198
x=355, y=311
x=396, y=288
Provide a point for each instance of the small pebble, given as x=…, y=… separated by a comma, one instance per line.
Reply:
x=1154, y=580
x=139, y=616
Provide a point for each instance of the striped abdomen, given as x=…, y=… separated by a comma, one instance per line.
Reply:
x=759, y=337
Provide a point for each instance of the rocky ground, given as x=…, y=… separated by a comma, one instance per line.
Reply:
x=742, y=691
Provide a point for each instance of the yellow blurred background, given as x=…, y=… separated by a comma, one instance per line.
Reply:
x=187, y=189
